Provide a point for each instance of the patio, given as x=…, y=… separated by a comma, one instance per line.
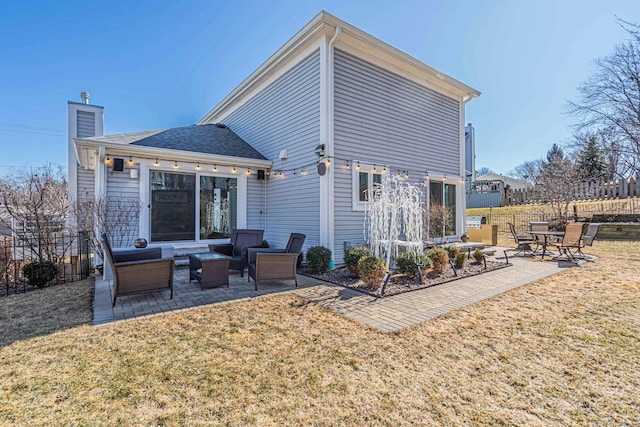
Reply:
x=387, y=314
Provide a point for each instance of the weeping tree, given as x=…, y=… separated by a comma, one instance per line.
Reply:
x=394, y=218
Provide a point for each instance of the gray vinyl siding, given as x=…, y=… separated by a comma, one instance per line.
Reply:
x=85, y=127
x=286, y=115
x=86, y=184
x=122, y=187
x=383, y=118
x=86, y=124
x=255, y=203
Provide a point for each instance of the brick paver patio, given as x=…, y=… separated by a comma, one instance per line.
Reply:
x=387, y=314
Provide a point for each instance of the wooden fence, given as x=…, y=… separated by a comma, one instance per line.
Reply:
x=495, y=194
x=590, y=190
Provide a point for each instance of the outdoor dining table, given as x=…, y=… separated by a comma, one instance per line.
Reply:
x=545, y=235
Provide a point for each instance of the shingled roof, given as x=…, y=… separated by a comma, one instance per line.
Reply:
x=209, y=139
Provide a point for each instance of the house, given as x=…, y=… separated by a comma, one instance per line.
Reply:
x=291, y=149
x=494, y=190
x=512, y=183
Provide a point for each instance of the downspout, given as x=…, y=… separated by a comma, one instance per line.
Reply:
x=330, y=146
x=465, y=101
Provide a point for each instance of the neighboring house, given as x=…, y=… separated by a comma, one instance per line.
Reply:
x=293, y=148
x=494, y=190
x=508, y=182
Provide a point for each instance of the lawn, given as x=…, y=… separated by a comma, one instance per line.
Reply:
x=564, y=350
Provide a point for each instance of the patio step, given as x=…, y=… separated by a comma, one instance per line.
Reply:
x=181, y=255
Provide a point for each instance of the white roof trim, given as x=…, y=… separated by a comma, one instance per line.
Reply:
x=324, y=25
x=85, y=147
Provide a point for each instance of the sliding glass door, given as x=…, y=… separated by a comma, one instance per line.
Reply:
x=182, y=203
x=173, y=206
x=218, y=207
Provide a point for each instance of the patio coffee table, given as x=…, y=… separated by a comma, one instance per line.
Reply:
x=210, y=269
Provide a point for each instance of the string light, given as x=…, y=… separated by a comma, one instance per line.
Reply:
x=215, y=168
x=406, y=174
x=358, y=166
x=130, y=161
x=374, y=168
x=248, y=172
x=384, y=170
x=198, y=166
x=175, y=164
x=426, y=174
x=328, y=162
x=234, y=169
x=348, y=164
x=108, y=159
x=156, y=164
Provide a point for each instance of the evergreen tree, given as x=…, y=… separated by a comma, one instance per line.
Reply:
x=590, y=164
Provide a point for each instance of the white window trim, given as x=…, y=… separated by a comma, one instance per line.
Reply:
x=357, y=204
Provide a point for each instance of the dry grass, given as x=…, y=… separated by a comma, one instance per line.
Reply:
x=560, y=351
x=44, y=311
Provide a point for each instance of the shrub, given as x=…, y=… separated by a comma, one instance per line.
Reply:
x=477, y=255
x=407, y=263
x=300, y=259
x=318, y=259
x=460, y=259
x=353, y=256
x=40, y=273
x=373, y=270
x=452, y=251
x=440, y=259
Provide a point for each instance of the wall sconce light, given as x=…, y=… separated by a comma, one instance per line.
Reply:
x=320, y=151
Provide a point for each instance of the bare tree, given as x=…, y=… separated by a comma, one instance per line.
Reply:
x=116, y=217
x=556, y=183
x=609, y=102
x=483, y=170
x=35, y=208
x=528, y=171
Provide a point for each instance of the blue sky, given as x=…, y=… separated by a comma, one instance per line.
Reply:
x=160, y=64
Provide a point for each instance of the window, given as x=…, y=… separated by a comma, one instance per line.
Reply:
x=365, y=177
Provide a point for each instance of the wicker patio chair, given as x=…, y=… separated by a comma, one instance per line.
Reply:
x=134, y=277
x=240, y=241
x=571, y=243
x=275, y=263
x=523, y=241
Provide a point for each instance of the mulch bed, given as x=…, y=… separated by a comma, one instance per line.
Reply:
x=399, y=283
